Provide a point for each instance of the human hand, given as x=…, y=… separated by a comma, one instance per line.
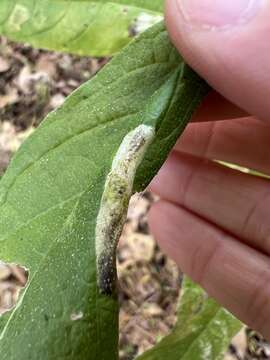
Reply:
x=214, y=221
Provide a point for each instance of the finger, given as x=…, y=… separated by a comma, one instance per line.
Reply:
x=236, y=275
x=236, y=202
x=215, y=107
x=227, y=42
x=241, y=141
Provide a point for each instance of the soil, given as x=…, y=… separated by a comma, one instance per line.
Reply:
x=34, y=82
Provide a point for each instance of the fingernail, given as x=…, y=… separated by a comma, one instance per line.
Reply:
x=218, y=14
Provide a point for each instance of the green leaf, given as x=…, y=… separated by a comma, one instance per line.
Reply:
x=154, y=5
x=203, y=330
x=52, y=193
x=96, y=28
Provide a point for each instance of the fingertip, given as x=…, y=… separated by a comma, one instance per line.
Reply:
x=235, y=60
x=161, y=227
x=154, y=216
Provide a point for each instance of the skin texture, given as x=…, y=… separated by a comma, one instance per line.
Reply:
x=214, y=221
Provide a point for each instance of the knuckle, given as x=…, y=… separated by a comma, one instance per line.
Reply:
x=202, y=261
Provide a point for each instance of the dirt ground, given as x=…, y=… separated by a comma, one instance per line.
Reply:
x=34, y=82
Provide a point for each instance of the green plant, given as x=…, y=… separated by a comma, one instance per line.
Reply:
x=64, y=198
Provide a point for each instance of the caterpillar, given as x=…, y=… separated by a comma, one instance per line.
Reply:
x=114, y=203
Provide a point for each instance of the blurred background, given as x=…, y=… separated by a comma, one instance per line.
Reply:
x=34, y=82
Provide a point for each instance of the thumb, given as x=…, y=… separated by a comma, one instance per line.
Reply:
x=228, y=43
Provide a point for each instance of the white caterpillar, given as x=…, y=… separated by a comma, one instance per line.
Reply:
x=114, y=203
